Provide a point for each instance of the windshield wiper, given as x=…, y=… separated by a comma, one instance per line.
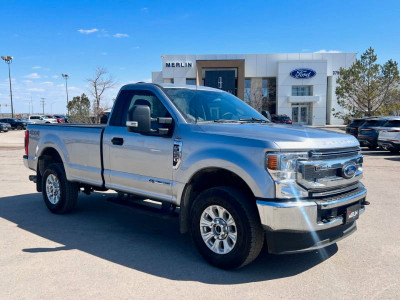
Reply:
x=226, y=121
x=253, y=120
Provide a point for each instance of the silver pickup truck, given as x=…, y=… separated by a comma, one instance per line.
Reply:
x=237, y=180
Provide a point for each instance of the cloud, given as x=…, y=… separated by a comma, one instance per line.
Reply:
x=47, y=83
x=104, y=53
x=32, y=76
x=36, y=90
x=120, y=35
x=145, y=9
x=36, y=67
x=328, y=51
x=27, y=81
x=87, y=31
x=54, y=76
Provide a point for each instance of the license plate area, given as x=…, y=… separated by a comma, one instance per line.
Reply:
x=352, y=213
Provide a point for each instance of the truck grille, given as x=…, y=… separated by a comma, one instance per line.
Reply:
x=324, y=171
x=336, y=153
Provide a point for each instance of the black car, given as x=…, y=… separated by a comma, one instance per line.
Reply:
x=282, y=119
x=4, y=127
x=355, y=124
x=15, y=123
x=368, y=133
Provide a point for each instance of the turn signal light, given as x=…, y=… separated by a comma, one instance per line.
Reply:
x=272, y=162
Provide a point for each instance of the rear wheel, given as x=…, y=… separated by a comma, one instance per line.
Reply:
x=59, y=194
x=226, y=228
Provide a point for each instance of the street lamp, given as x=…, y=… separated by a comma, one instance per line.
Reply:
x=8, y=60
x=66, y=76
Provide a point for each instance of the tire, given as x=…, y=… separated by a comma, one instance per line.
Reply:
x=67, y=191
x=19, y=127
x=394, y=151
x=247, y=227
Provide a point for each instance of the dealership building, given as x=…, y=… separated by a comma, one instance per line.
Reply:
x=300, y=85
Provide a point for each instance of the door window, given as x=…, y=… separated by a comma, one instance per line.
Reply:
x=303, y=114
x=129, y=98
x=295, y=114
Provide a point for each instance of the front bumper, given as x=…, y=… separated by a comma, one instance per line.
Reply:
x=308, y=224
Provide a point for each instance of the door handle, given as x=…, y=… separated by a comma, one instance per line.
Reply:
x=117, y=141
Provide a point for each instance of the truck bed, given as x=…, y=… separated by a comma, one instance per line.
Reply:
x=79, y=145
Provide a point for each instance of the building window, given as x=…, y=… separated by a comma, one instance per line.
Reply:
x=168, y=80
x=302, y=90
x=191, y=81
x=247, y=89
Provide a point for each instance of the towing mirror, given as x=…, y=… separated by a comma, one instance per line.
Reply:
x=139, y=119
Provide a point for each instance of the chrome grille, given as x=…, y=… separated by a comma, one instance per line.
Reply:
x=323, y=171
x=334, y=153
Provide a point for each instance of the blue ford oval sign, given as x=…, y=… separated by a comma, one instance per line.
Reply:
x=349, y=171
x=303, y=73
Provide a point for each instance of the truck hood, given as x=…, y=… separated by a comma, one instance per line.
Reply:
x=285, y=137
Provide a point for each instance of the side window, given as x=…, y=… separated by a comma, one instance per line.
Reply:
x=157, y=109
x=126, y=101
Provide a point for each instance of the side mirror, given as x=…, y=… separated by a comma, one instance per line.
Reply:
x=140, y=120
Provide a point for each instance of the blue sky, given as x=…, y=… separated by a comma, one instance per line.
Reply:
x=48, y=38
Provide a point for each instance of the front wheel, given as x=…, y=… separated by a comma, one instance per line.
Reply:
x=226, y=227
x=59, y=194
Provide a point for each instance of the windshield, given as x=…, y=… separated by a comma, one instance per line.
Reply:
x=203, y=106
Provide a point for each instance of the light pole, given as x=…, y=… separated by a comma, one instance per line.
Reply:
x=66, y=76
x=42, y=102
x=8, y=61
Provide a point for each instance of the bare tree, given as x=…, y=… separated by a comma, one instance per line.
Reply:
x=99, y=84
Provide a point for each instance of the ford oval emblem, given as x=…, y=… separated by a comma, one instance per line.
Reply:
x=303, y=73
x=349, y=171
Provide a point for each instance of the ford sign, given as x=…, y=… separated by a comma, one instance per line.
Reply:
x=303, y=73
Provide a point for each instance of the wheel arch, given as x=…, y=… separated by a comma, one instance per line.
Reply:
x=48, y=156
x=204, y=179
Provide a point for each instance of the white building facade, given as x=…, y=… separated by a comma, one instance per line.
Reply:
x=299, y=85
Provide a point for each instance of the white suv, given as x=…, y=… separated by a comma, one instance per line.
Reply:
x=37, y=119
x=389, y=136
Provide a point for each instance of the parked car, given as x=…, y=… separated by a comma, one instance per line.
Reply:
x=4, y=127
x=15, y=123
x=389, y=136
x=27, y=121
x=368, y=132
x=237, y=178
x=41, y=119
x=61, y=118
x=355, y=124
x=282, y=119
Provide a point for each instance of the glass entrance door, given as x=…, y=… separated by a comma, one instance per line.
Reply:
x=300, y=113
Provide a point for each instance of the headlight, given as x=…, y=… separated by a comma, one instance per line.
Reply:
x=282, y=168
x=283, y=165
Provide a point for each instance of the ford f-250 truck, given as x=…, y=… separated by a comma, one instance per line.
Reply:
x=239, y=181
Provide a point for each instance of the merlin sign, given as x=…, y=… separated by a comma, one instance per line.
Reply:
x=179, y=64
x=303, y=73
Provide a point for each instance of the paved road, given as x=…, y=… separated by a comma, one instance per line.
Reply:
x=105, y=250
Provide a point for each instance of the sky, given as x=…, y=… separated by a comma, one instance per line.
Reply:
x=48, y=38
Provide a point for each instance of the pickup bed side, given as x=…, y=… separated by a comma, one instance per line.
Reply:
x=78, y=147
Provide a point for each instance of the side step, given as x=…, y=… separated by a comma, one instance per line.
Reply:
x=151, y=207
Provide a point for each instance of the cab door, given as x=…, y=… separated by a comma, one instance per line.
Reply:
x=133, y=162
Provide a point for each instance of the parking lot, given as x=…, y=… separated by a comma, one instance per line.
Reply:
x=105, y=250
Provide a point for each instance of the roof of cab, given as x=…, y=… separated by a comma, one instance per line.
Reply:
x=170, y=85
